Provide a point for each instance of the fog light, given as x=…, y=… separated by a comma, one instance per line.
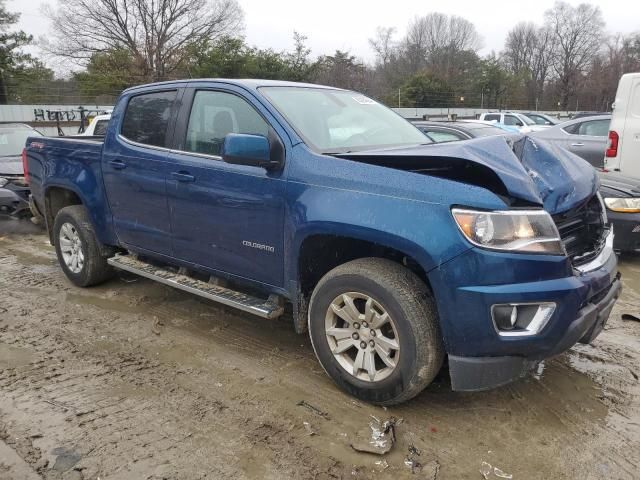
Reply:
x=521, y=319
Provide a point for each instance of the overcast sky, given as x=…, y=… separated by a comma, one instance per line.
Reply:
x=347, y=24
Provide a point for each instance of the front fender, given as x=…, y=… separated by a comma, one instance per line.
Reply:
x=424, y=231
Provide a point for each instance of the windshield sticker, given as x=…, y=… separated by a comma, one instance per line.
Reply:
x=362, y=100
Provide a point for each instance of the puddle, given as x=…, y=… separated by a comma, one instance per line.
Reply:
x=12, y=357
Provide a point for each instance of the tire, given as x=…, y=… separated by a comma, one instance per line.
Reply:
x=93, y=268
x=413, y=328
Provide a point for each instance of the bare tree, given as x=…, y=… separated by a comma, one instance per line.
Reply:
x=383, y=45
x=434, y=41
x=157, y=33
x=528, y=54
x=577, y=38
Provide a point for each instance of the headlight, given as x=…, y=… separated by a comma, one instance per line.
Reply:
x=530, y=231
x=625, y=205
x=3, y=181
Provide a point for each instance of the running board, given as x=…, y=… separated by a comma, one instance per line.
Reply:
x=231, y=298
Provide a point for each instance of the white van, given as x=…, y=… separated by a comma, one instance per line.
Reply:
x=623, y=151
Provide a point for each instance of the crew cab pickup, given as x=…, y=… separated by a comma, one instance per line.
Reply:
x=395, y=254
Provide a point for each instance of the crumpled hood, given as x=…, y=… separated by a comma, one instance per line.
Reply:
x=11, y=166
x=533, y=172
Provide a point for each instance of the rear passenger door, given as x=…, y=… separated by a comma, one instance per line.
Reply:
x=135, y=170
x=225, y=217
x=588, y=140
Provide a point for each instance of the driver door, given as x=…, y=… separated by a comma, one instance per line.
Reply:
x=224, y=217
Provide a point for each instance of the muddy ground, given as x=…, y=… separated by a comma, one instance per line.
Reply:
x=135, y=380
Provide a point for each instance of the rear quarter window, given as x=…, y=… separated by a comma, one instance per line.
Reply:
x=147, y=117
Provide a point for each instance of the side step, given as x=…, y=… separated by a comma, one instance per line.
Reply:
x=232, y=298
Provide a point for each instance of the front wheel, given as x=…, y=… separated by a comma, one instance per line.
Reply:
x=80, y=255
x=374, y=328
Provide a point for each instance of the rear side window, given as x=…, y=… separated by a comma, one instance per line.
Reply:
x=491, y=117
x=594, y=128
x=100, y=129
x=512, y=120
x=214, y=115
x=147, y=118
x=441, y=137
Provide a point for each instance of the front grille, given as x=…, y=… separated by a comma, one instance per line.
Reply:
x=582, y=230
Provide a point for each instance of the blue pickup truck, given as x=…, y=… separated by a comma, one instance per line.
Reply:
x=395, y=255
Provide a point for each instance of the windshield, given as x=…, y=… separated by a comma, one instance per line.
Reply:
x=480, y=130
x=337, y=121
x=526, y=120
x=12, y=140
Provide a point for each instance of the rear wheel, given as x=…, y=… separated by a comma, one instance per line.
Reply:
x=375, y=331
x=82, y=258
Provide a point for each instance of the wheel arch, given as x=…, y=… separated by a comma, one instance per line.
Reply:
x=319, y=250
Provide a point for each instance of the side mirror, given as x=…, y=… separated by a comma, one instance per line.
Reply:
x=251, y=150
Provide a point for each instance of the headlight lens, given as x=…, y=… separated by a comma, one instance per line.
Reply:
x=3, y=181
x=625, y=205
x=531, y=231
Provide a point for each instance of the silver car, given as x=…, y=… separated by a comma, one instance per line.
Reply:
x=587, y=137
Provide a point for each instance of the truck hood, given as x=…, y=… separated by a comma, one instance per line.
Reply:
x=532, y=173
x=11, y=166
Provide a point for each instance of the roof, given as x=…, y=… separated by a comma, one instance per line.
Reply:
x=247, y=83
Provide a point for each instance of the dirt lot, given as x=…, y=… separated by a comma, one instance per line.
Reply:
x=134, y=380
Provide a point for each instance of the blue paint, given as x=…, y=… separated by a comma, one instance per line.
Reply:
x=249, y=223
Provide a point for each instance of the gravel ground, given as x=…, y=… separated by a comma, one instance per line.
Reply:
x=135, y=380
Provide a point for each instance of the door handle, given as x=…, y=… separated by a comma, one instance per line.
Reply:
x=577, y=144
x=183, y=176
x=117, y=164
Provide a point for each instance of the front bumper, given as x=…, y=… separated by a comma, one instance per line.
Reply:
x=482, y=373
x=480, y=358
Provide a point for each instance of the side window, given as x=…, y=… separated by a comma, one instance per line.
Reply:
x=441, y=137
x=512, y=120
x=214, y=115
x=594, y=128
x=100, y=129
x=572, y=129
x=147, y=118
x=491, y=117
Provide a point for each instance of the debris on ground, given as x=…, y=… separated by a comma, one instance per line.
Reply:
x=411, y=461
x=629, y=316
x=486, y=469
x=499, y=473
x=310, y=430
x=381, y=439
x=157, y=323
x=381, y=465
x=430, y=470
x=316, y=410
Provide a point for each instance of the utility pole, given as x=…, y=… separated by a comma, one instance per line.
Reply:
x=398, y=98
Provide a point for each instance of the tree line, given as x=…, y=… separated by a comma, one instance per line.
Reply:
x=568, y=61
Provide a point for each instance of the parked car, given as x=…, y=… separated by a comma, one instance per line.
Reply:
x=440, y=132
x=523, y=123
x=392, y=253
x=542, y=118
x=98, y=126
x=621, y=195
x=14, y=191
x=578, y=115
x=586, y=137
x=623, y=150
